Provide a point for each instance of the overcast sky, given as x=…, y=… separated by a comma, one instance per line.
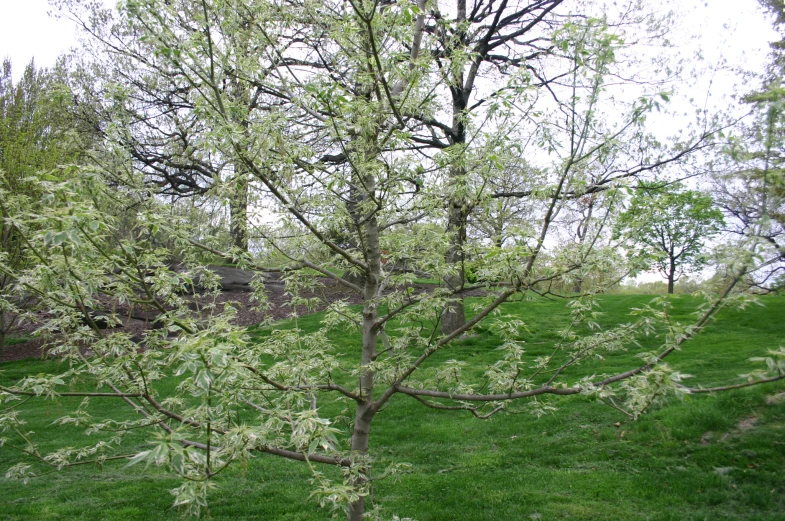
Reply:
x=734, y=29
x=27, y=31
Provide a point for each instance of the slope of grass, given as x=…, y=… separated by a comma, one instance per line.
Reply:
x=17, y=339
x=703, y=457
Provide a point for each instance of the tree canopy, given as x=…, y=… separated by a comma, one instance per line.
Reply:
x=39, y=130
x=672, y=224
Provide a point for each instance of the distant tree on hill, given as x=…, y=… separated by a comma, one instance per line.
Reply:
x=672, y=225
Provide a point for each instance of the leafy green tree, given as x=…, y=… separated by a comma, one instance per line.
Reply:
x=672, y=225
x=494, y=58
x=341, y=137
x=38, y=132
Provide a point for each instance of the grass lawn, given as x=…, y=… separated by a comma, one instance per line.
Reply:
x=19, y=339
x=701, y=458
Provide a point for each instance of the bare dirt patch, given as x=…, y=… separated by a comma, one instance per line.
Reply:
x=747, y=424
x=775, y=399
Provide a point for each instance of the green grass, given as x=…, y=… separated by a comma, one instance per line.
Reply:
x=434, y=282
x=17, y=339
x=701, y=458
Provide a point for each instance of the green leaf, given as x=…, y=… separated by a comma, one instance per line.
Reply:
x=142, y=456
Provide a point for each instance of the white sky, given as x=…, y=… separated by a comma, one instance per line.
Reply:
x=733, y=29
x=26, y=31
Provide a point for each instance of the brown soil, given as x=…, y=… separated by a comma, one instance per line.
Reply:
x=747, y=424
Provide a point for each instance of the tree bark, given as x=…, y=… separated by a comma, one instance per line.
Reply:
x=454, y=316
x=238, y=210
x=365, y=413
x=360, y=436
x=671, y=276
x=2, y=331
x=238, y=203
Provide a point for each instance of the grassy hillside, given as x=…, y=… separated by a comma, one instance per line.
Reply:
x=703, y=457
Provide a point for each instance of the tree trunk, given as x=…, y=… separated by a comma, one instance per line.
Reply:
x=360, y=435
x=578, y=286
x=238, y=211
x=356, y=196
x=671, y=276
x=454, y=316
x=2, y=331
x=364, y=414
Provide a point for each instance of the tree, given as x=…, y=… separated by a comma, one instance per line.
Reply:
x=342, y=143
x=552, y=65
x=672, y=224
x=500, y=221
x=38, y=131
x=150, y=111
x=750, y=184
x=749, y=189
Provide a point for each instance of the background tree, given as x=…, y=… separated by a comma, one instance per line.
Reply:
x=131, y=96
x=750, y=182
x=502, y=221
x=672, y=225
x=540, y=74
x=750, y=188
x=584, y=229
x=39, y=130
x=40, y=127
